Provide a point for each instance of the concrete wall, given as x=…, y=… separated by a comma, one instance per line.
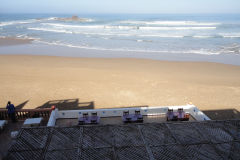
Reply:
x=193, y=110
x=53, y=118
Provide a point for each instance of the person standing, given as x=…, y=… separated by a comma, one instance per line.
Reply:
x=11, y=111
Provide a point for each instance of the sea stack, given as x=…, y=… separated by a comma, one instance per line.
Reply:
x=75, y=18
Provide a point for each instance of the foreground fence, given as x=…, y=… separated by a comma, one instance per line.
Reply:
x=22, y=114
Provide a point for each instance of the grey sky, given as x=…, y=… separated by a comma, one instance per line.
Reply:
x=119, y=6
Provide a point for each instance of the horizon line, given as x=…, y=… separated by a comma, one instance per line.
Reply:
x=104, y=13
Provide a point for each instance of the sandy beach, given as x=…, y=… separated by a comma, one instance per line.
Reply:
x=32, y=81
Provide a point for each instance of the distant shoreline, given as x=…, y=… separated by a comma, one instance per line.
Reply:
x=18, y=46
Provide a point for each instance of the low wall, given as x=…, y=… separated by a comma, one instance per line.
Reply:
x=53, y=118
x=115, y=112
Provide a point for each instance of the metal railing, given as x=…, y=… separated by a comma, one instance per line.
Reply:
x=22, y=114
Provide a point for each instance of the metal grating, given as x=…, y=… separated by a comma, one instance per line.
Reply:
x=97, y=137
x=65, y=138
x=215, y=132
x=186, y=140
x=224, y=149
x=235, y=154
x=127, y=135
x=31, y=139
x=229, y=150
x=62, y=154
x=133, y=153
x=233, y=127
x=157, y=134
x=168, y=152
x=97, y=154
x=201, y=151
x=23, y=155
x=186, y=133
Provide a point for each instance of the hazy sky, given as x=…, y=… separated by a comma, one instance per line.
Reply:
x=119, y=6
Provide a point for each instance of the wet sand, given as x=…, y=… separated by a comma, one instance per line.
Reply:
x=8, y=41
x=32, y=81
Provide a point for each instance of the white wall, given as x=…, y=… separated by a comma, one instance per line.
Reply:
x=53, y=118
x=113, y=112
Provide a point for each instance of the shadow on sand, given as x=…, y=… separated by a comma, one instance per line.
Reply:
x=222, y=114
x=20, y=106
x=68, y=104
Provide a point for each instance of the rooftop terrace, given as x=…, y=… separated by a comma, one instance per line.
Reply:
x=67, y=122
x=174, y=140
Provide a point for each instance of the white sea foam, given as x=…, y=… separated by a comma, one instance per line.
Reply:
x=125, y=27
x=46, y=19
x=21, y=35
x=171, y=23
x=141, y=40
x=218, y=36
x=72, y=31
x=177, y=28
x=232, y=48
x=201, y=51
x=104, y=34
x=57, y=25
x=231, y=36
x=50, y=18
x=65, y=19
x=76, y=29
x=7, y=23
x=49, y=30
x=203, y=36
x=66, y=31
x=24, y=36
x=161, y=35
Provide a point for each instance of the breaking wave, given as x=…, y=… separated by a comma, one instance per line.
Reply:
x=121, y=27
x=157, y=35
x=7, y=23
x=201, y=51
x=17, y=22
x=49, y=30
x=171, y=23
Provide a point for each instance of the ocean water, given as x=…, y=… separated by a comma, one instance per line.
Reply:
x=150, y=33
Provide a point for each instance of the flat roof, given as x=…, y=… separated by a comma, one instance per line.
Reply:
x=172, y=140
